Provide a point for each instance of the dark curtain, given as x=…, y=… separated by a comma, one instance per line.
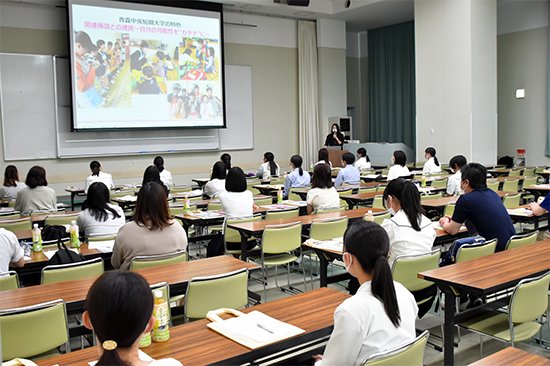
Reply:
x=391, y=83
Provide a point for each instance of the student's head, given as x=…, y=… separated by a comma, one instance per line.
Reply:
x=457, y=162
x=210, y=51
x=152, y=207
x=159, y=163
x=348, y=158
x=474, y=176
x=109, y=45
x=322, y=176
x=399, y=158
x=335, y=128
x=235, y=181
x=403, y=194
x=209, y=91
x=119, y=308
x=151, y=174
x=83, y=43
x=144, y=45
x=270, y=158
x=11, y=176
x=147, y=72
x=296, y=161
x=95, y=167
x=430, y=153
x=218, y=170
x=97, y=200
x=323, y=155
x=365, y=251
x=36, y=177
x=362, y=153
x=226, y=158
x=100, y=44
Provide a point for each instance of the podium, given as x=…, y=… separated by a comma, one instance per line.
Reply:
x=335, y=155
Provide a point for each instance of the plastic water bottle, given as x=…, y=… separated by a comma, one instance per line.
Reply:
x=74, y=231
x=36, y=238
x=311, y=166
x=161, y=330
x=186, y=204
x=145, y=340
x=279, y=196
x=369, y=216
x=423, y=185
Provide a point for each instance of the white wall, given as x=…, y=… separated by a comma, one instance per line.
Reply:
x=520, y=15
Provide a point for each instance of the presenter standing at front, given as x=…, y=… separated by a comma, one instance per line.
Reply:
x=335, y=138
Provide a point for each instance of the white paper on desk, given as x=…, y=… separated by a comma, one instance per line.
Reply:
x=542, y=186
x=436, y=226
x=104, y=246
x=520, y=211
x=27, y=258
x=334, y=245
x=50, y=253
x=295, y=203
x=207, y=214
x=128, y=198
x=7, y=210
x=372, y=176
x=278, y=207
x=142, y=356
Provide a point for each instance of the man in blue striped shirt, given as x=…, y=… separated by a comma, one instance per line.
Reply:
x=349, y=174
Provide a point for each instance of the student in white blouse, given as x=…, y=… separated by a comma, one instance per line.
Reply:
x=432, y=165
x=236, y=201
x=453, y=183
x=322, y=157
x=165, y=175
x=363, y=161
x=382, y=314
x=98, y=176
x=268, y=168
x=99, y=217
x=399, y=169
x=216, y=184
x=12, y=185
x=322, y=195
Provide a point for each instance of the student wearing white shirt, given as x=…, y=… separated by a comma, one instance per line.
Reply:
x=322, y=195
x=432, y=165
x=236, y=201
x=399, y=169
x=11, y=253
x=216, y=184
x=99, y=217
x=382, y=314
x=268, y=168
x=363, y=161
x=165, y=175
x=453, y=183
x=98, y=176
x=322, y=157
x=12, y=185
x=296, y=178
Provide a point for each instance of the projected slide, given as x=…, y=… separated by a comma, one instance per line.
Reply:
x=144, y=66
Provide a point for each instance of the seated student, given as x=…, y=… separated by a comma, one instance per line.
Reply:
x=382, y=314
x=165, y=175
x=236, y=201
x=322, y=195
x=323, y=157
x=152, y=174
x=480, y=208
x=432, y=164
x=216, y=184
x=540, y=209
x=349, y=174
x=11, y=253
x=12, y=185
x=37, y=196
x=98, y=176
x=99, y=217
x=363, y=161
x=296, y=178
x=268, y=168
x=119, y=309
x=399, y=169
x=453, y=183
x=226, y=159
x=152, y=232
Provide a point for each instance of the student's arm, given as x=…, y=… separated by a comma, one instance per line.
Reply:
x=339, y=179
x=116, y=257
x=309, y=209
x=260, y=172
x=17, y=258
x=453, y=225
x=286, y=188
x=347, y=335
x=537, y=209
x=449, y=225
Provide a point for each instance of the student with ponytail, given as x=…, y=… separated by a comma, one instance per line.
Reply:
x=432, y=164
x=165, y=175
x=269, y=167
x=98, y=176
x=119, y=309
x=382, y=314
x=297, y=177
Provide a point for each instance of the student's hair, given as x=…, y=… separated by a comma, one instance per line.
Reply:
x=431, y=152
x=11, y=176
x=152, y=207
x=297, y=161
x=97, y=202
x=100, y=43
x=159, y=163
x=476, y=175
x=409, y=198
x=226, y=158
x=235, y=181
x=36, y=177
x=399, y=157
x=363, y=153
x=151, y=174
x=337, y=127
x=457, y=162
x=119, y=304
x=270, y=158
x=94, y=167
x=348, y=157
x=322, y=176
x=369, y=243
x=144, y=44
x=323, y=155
x=218, y=170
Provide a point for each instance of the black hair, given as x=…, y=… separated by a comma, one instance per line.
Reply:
x=348, y=157
x=226, y=158
x=144, y=44
x=369, y=243
x=431, y=151
x=100, y=43
x=323, y=155
x=476, y=174
x=363, y=153
x=94, y=167
x=297, y=161
x=36, y=177
x=152, y=207
x=322, y=176
x=96, y=202
x=457, y=162
x=235, y=181
x=270, y=158
x=159, y=163
x=337, y=127
x=218, y=170
x=119, y=304
x=399, y=157
x=152, y=174
x=409, y=198
x=11, y=176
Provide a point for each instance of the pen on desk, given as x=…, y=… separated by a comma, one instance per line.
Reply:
x=265, y=328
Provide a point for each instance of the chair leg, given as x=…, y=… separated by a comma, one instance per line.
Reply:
x=264, y=280
x=480, y=346
x=288, y=275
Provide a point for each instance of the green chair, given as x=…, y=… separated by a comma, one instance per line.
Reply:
x=203, y=294
x=514, y=173
x=282, y=214
x=250, y=188
x=528, y=302
x=520, y=240
x=493, y=185
x=345, y=192
x=410, y=354
x=527, y=182
x=367, y=190
x=385, y=172
x=264, y=201
x=381, y=188
x=512, y=200
x=431, y=196
x=440, y=183
x=62, y=219
x=213, y=206
x=473, y=251
x=326, y=229
x=180, y=189
x=9, y=280
x=293, y=196
x=101, y=237
x=232, y=237
x=72, y=271
x=147, y=261
x=326, y=210
x=379, y=217
x=529, y=172
x=449, y=209
x=46, y=322
x=10, y=217
x=17, y=225
x=377, y=202
x=419, y=164
x=511, y=185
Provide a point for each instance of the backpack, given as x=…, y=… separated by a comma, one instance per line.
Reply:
x=450, y=256
x=215, y=246
x=64, y=255
x=54, y=232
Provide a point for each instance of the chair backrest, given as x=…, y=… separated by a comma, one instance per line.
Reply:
x=181, y=189
x=229, y=290
x=165, y=289
x=47, y=322
x=281, y=238
x=293, y=196
x=493, y=185
x=326, y=229
x=405, y=269
x=72, y=271
x=64, y=219
x=345, y=192
x=282, y=214
x=511, y=185
x=232, y=235
x=512, y=200
x=381, y=188
x=101, y=237
x=377, y=202
x=122, y=193
x=17, y=225
x=9, y=280
x=411, y=354
x=514, y=173
x=449, y=209
x=440, y=183
x=368, y=190
x=520, y=240
x=385, y=171
x=263, y=201
x=529, y=172
x=379, y=217
x=10, y=216
x=325, y=210
x=250, y=188
x=530, y=181
x=214, y=206
x=146, y=261
x=529, y=300
x=431, y=196
x=472, y=251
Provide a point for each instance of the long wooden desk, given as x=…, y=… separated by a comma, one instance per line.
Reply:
x=484, y=276
x=439, y=203
x=538, y=190
x=512, y=356
x=196, y=344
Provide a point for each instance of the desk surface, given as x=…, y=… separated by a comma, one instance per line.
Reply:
x=440, y=202
x=37, y=257
x=196, y=344
x=512, y=356
x=538, y=187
